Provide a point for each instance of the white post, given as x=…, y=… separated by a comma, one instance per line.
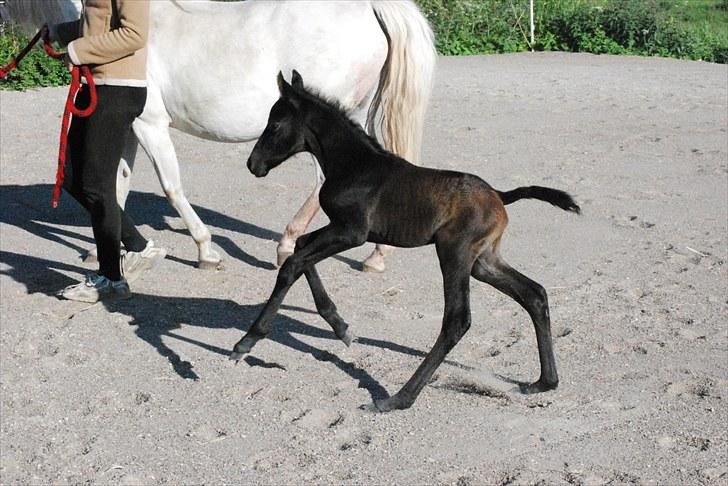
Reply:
x=533, y=27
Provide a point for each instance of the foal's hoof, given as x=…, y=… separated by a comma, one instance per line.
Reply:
x=242, y=348
x=391, y=403
x=347, y=338
x=538, y=387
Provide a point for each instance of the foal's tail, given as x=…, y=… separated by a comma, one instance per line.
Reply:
x=546, y=194
x=405, y=82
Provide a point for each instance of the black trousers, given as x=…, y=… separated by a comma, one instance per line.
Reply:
x=95, y=146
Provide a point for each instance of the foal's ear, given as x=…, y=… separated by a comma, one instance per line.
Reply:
x=283, y=87
x=296, y=80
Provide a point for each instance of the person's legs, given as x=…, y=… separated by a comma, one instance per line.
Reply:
x=95, y=147
x=130, y=235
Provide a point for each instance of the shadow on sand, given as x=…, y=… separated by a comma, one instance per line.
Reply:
x=29, y=208
x=157, y=317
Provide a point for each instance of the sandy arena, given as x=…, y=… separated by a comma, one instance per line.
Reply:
x=142, y=391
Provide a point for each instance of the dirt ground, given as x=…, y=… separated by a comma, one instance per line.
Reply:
x=142, y=392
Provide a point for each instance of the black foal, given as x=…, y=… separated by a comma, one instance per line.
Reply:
x=373, y=195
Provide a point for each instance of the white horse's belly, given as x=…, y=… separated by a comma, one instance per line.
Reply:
x=223, y=87
x=218, y=113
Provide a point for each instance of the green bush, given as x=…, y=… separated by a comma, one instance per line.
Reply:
x=642, y=27
x=693, y=30
x=476, y=26
x=688, y=29
x=37, y=69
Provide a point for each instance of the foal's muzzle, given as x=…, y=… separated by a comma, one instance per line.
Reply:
x=257, y=168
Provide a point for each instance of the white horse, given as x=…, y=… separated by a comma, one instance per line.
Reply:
x=211, y=73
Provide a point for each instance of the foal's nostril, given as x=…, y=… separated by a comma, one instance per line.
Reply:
x=256, y=168
x=250, y=165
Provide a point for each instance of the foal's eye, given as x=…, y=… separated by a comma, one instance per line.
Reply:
x=276, y=126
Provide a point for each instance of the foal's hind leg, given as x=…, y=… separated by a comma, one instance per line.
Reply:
x=491, y=269
x=455, y=323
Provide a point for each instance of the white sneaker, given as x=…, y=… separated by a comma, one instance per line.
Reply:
x=96, y=288
x=134, y=263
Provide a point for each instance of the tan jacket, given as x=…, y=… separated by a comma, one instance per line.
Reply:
x=110, y=37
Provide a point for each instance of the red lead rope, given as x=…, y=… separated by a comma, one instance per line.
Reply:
x=69, y=110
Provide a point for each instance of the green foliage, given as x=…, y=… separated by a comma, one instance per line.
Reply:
x=37, y=69
x=688, y=29
x=476, y=26
x=643, y=27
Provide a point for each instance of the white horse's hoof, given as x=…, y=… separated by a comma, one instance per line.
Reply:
x=208, y=259
x=374, y=267
x=210, y=265
x=375, y=261
x=283, y=256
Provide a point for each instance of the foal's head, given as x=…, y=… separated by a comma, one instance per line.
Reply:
x=284, y=134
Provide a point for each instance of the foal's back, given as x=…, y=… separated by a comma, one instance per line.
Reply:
x=416, y=206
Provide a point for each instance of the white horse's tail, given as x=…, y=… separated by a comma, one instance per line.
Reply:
x=406, y=79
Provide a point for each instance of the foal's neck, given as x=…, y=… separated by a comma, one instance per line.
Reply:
x=336, y=142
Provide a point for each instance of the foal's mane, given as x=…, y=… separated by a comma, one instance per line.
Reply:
x=342, y=114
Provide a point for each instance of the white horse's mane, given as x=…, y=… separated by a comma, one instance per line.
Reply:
x=29, y=14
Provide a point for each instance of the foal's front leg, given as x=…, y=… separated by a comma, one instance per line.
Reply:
x=320, y=245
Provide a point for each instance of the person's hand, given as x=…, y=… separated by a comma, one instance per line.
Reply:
x=69, y=63
x=45, y=33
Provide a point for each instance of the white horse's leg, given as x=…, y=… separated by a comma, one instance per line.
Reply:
x=126, y=166
x=152, y=130
x=404, y=90
x=375, y=261
x=301, y=219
